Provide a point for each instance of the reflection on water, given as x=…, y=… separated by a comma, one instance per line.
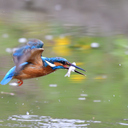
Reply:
x=48, y=122
x=45, y=121
x=35, y=121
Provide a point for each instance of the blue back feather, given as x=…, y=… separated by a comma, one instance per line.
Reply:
x=32, y=43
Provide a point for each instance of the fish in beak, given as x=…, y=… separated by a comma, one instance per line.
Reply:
x=67, y=65
x=72, y=67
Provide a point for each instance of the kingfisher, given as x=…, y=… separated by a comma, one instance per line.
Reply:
x=29, y=63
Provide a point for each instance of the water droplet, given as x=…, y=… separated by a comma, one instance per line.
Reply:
x=12, y=94
x=123, y=124
x=5, y=35
x=13, y=84
x=48, y=37
x=9, y=50
x=96, y=121
x=52, y=85
x=104, y=76
x=96, y=100
x=83, y=94
x=95, y=45
x=22, y=40
x=45, y=101
x=27, y=113
x=81, y=98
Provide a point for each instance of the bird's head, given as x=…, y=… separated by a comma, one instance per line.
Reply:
x=60, y=63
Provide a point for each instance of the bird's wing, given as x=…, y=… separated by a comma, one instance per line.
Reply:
x=31, y=52
x=35, y=57
x=21, y=55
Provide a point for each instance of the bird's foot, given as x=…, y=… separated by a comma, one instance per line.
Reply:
x=20, y=82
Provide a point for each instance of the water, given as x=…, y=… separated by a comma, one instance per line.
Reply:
x=35, y=121
x=98, y=99
x=61, y=106
x=45, y=121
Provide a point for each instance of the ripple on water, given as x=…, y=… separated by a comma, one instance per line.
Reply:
x=123, y=124
x=44, y=121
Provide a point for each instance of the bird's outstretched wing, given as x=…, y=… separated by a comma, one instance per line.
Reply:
x=31, y=52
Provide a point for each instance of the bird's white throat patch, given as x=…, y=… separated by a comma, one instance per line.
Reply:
x=50, y=64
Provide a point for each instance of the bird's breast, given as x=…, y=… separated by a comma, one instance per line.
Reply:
x=31, y=71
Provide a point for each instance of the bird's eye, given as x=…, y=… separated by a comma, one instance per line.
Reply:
x=63, y=62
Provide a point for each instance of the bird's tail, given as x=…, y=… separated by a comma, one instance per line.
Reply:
x=8, y=76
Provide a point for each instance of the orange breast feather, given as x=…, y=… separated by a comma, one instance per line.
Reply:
x=32, y=71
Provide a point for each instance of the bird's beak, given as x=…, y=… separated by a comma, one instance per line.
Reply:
x=70, y=64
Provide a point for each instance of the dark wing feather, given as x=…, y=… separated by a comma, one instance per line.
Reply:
x=35, y=57
x=28, y=53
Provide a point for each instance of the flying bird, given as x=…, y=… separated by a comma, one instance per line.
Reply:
x=29, y=63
